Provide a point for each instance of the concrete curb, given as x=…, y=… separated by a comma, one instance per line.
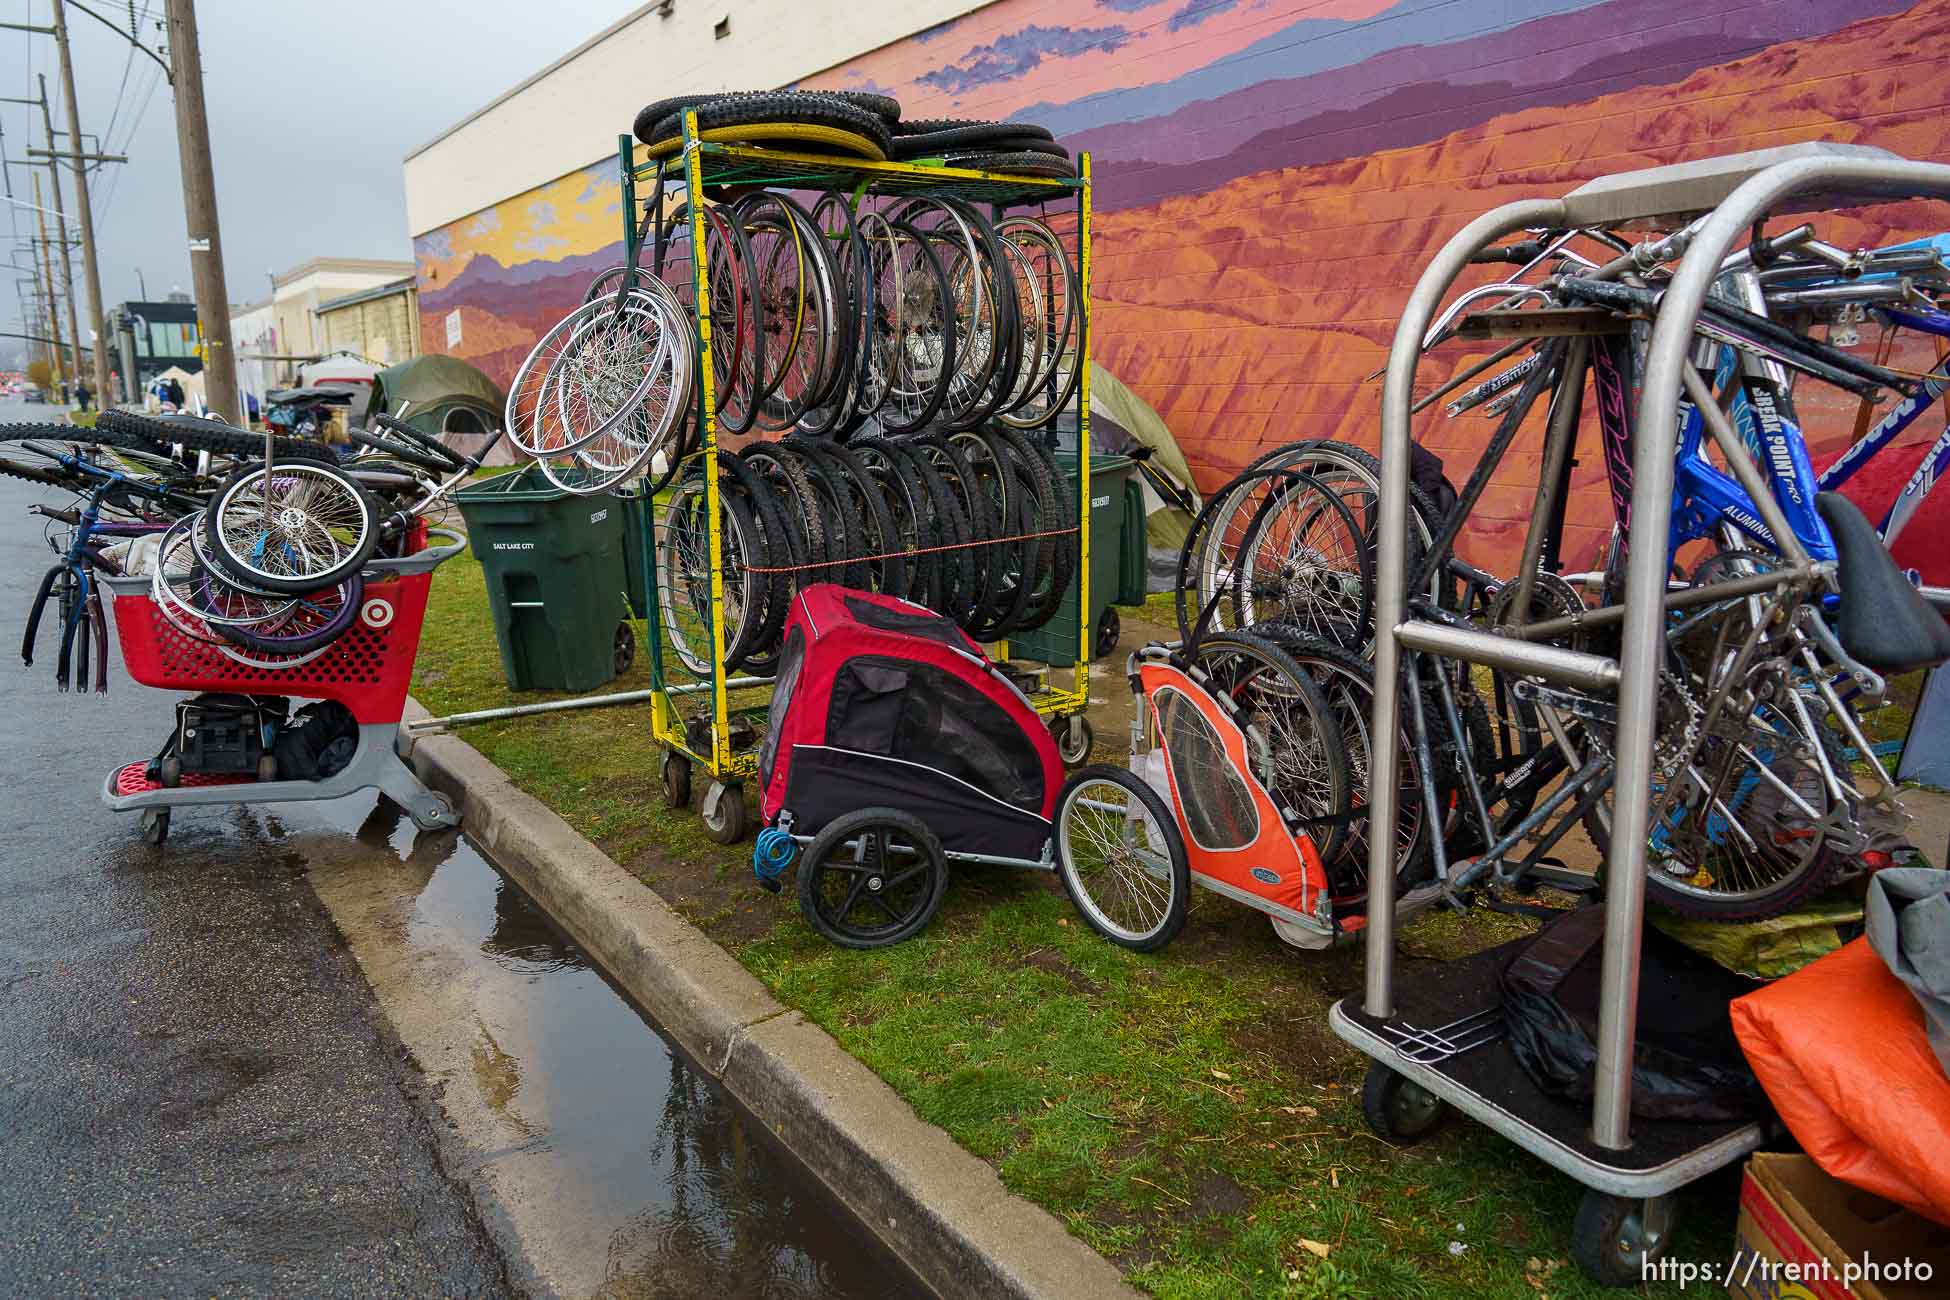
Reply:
x=942, y=1211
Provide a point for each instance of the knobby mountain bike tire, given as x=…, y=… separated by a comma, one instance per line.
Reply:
x=653, y=114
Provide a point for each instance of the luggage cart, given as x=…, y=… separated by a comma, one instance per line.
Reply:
x=1438, y=1038
x=368, y=670
x=722, y=740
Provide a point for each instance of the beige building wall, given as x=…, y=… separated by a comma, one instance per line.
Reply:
x=386, y=329
x=569, y=114
x=298, y=293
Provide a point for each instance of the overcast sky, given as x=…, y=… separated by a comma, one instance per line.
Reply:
x=312, y=107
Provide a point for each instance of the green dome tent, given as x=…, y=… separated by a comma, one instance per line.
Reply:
x=444, y=396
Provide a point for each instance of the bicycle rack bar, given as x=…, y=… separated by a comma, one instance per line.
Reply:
x=1571, y=667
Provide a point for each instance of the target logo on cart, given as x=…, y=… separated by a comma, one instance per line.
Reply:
x=377, y=613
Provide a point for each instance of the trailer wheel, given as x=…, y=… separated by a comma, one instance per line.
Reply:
x=1616, y=1237
x=1397, y=1108
x=872, y=878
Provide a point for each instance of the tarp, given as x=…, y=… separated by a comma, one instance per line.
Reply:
x=192, y=386
x=1841, y=1049
x=1123, y=422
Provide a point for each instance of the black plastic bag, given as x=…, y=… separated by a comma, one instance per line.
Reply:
x=317, y=743
x=1687, y=1063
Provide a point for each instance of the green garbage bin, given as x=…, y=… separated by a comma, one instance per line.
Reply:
x=556, y=580
x=1114, y=525
x=634, y=566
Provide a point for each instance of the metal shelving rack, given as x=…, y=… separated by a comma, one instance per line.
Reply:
x=705, y=163
x=1439, y=1032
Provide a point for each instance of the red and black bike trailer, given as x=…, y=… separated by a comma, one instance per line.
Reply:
x=894, y=748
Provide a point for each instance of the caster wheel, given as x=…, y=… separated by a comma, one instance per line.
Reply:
x=1110, y=626
x=725, y=818
x=1615, y=1238
x=1399, y=1109
x=872, y=878
x=172, y=772
x=267, y=768
x=676, y=774
x=624, y=653
x=155, y=825
x=1074, y=737
x=432, y=811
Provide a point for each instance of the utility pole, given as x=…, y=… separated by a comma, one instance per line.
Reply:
x=67, y=268
x=82, y=206
x=53, y=319
x=200, y=209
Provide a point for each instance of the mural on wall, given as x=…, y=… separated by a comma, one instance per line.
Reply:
x=1272, y=175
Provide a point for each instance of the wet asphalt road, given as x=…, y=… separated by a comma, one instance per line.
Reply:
x=197, y=1094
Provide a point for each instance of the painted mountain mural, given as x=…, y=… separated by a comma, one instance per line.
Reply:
x=1273, y=174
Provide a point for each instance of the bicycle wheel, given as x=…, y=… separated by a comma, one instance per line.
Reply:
x=591, y=371
x=295, y=528
x=1059, y=328
x=872, y=877
x=1302, y=562
x=1303, y=762
x=917, y=338
x=1121, y=859
x=1347, y=684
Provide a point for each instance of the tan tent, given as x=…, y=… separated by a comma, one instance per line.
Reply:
x=1121, y=421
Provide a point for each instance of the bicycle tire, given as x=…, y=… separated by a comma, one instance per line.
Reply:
x=983, y=525
x=1057, y=549
x=934, y=573
x=45, y=429
x=907, y=512
x=937, y=125
x=1347, y=682
x=648, y=117
x=35, y=474
x=799, y=502
x=1308, y=780
x=254, y=575
x=999, y=479
x=883, y=554
x=404, y=435
x=844, y=531
x=342, y=618
x=212, y=436
x=772, y=550
x=961, y=566
x=933, y=288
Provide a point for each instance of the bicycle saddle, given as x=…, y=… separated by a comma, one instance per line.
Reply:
x=1884, y=621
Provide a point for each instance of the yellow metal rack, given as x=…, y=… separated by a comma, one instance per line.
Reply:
x=706, y=164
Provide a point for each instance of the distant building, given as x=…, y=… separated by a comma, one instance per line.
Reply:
x=297, y=294
x=254, y=336
x=381, y=324
x=277, y=335
x=149, y=338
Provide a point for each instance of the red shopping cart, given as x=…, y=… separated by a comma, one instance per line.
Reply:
x=367, y=669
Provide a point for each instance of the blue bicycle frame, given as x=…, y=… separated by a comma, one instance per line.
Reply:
x=1705, y=496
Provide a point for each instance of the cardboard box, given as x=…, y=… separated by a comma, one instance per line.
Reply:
x=1806, y=1236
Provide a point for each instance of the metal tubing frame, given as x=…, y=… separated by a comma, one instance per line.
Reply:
x=1391, y=570
x=1653, y=471
x=721, y=763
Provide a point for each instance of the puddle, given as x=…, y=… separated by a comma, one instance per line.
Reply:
x=684, y=1195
